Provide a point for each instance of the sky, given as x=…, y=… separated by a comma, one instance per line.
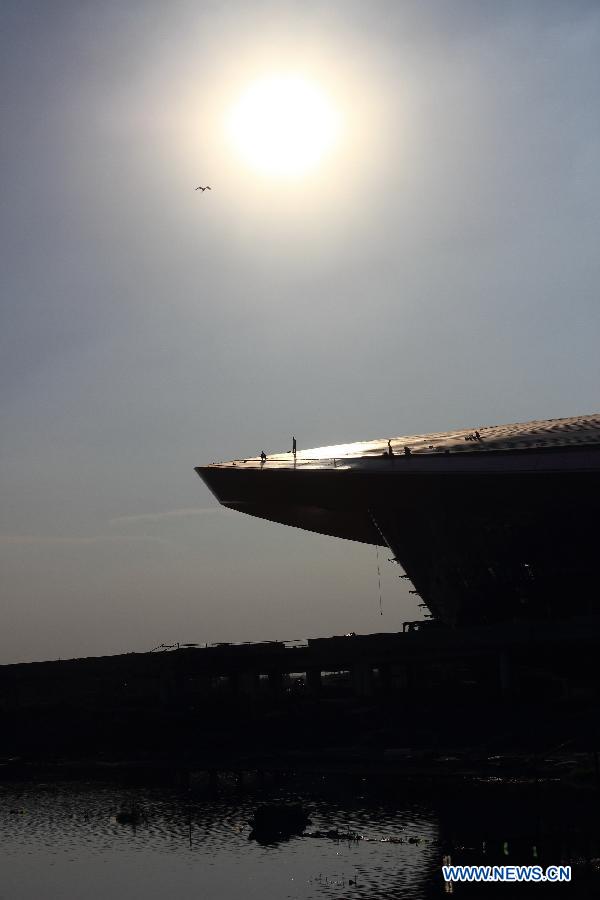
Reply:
x=437, y=267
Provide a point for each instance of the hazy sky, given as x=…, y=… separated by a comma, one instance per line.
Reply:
x=439, y=268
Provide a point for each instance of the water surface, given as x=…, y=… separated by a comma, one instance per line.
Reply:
x=66, y=840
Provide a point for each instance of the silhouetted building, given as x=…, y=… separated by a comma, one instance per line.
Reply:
x=495, y=524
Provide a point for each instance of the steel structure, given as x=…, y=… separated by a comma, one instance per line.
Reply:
x=497, y=523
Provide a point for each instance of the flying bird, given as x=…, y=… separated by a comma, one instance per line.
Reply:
x=200, y=188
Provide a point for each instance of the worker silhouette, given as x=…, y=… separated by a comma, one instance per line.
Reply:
x=294, y=446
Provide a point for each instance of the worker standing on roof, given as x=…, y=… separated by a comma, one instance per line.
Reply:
x=294, y=446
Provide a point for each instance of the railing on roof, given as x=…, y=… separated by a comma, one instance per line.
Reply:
x=380, y=455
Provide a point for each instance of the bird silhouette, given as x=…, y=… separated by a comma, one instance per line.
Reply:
x=200, y=188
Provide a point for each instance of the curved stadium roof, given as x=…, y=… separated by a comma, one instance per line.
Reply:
x=539, y=434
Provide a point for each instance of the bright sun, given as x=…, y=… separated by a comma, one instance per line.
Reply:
x=283, y=125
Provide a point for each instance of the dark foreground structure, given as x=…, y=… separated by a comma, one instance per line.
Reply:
x=349, y=700
x=494, y=524
x=496, y=528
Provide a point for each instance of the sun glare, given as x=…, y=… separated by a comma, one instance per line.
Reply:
x=283, y=125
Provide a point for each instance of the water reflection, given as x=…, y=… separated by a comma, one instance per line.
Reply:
x=365, y=840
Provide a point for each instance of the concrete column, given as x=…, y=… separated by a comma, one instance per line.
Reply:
x=385, y=678
x=313, y=681
x=167, y=691
x=402, y=677
x=248, y=683
x=362, y=679
x=276, y=682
